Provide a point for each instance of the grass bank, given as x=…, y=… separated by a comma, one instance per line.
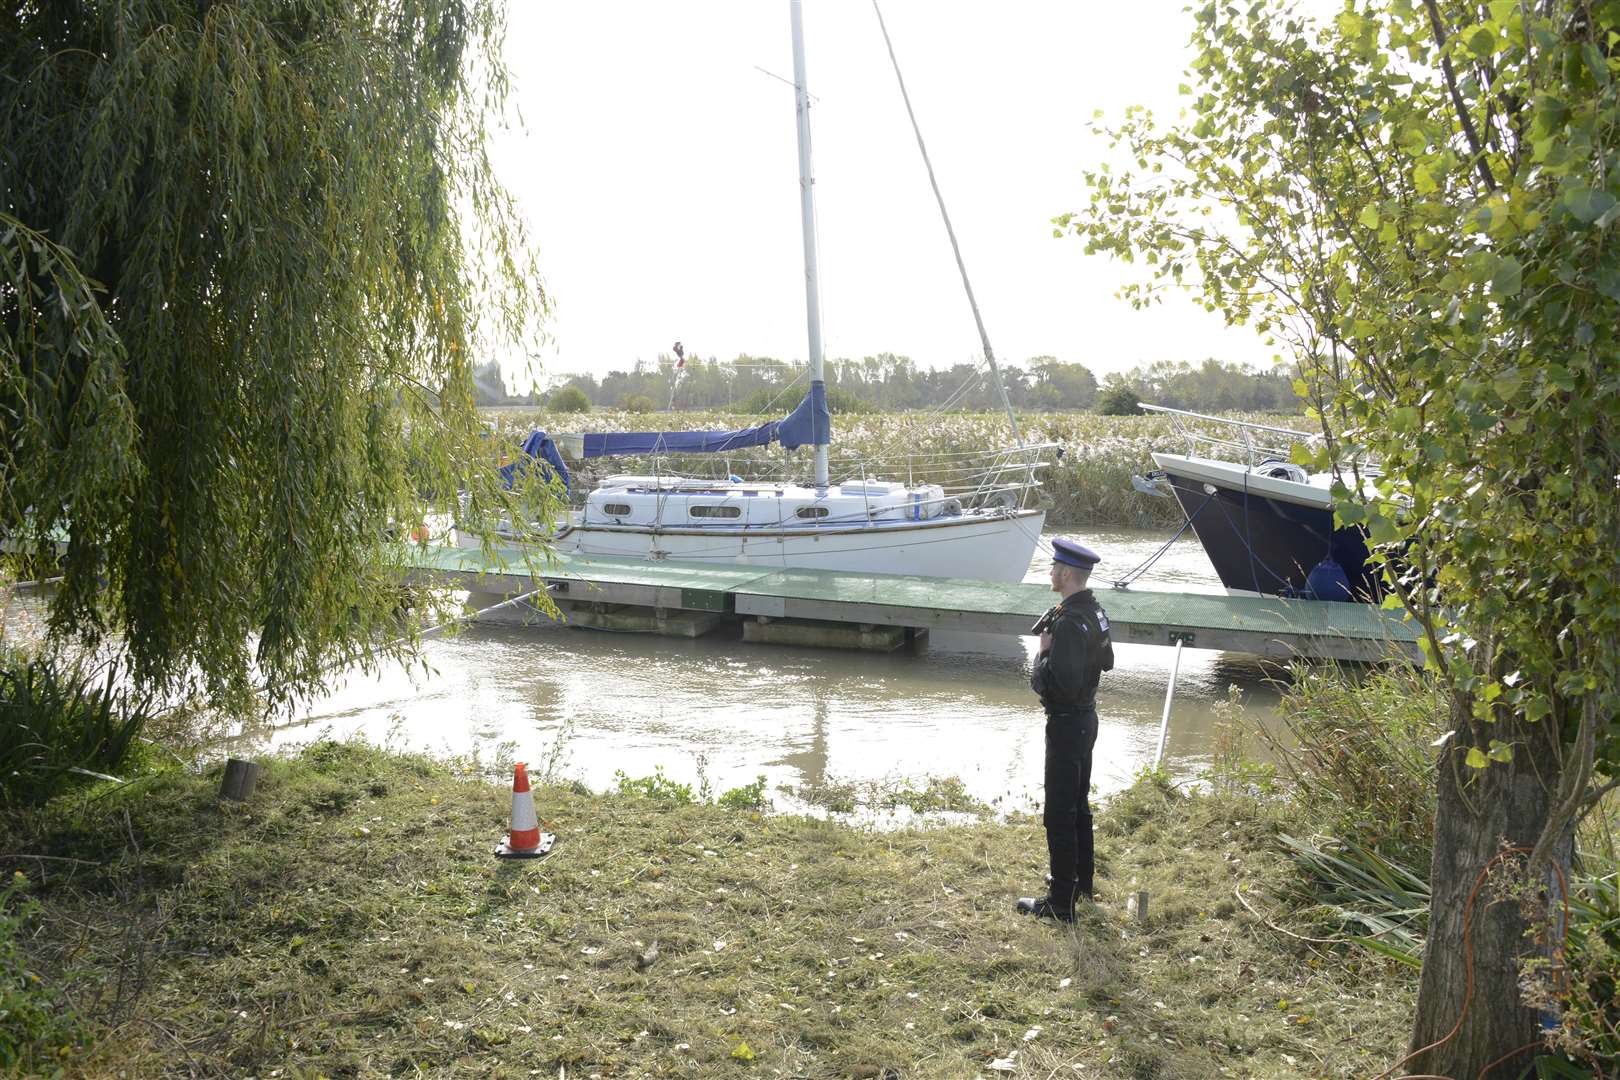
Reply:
x=350, y=921
x=1090, y=485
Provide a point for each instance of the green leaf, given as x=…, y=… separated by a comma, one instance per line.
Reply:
x=1587, y=204
x=1369, y=216
x=1423, y=179
x=1596, y=63
x=1381, y=529
x=1476, y=758
x=1508, y=277
x=1482, y=43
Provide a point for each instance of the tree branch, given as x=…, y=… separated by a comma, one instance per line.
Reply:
x=1456, y=99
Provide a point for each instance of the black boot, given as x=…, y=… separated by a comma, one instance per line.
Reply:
x=1080, y=894
x=1044, y=907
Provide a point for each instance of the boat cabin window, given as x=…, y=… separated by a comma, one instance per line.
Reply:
x=616, y=509
x=812, y=511
x=714, y=511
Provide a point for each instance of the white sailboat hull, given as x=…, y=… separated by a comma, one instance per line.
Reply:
x=988, y=546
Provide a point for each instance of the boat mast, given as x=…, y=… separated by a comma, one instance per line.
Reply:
x=807, y=214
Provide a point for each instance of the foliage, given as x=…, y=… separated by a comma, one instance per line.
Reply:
x=1233, y=770
x=762, y=386
x=636, y=403
x=1449, y=290
x=746, y=797
x=239, y=308
x=1358, y=755
x=1387, y=902
x=36, y=1032
x=56, y=717
x=1416, y=201
x=1120, y=400
x=569, y=399
x=1586, y=990
x=656, y=786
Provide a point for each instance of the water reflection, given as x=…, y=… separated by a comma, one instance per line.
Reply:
x=591, y=703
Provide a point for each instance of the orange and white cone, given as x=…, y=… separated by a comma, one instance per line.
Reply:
x=525, y=841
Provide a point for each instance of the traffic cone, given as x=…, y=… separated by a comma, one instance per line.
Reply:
x=525, y=841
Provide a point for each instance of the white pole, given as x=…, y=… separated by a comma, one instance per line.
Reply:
x=1169, y=693
x=807, y=215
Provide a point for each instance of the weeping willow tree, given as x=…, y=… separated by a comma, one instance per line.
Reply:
x=249, y=251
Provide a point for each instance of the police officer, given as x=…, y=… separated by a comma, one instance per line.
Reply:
x=1075, y=651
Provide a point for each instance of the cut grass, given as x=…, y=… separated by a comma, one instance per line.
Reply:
x=350, y=921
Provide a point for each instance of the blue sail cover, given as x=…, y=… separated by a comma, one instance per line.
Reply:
x=809, y=424
x=537, y=445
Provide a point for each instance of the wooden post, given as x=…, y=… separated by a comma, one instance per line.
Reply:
x=240, y=779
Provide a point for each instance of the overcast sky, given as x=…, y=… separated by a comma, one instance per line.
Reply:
x=658, y=171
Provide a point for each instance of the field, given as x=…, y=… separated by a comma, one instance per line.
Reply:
x=1090, y=484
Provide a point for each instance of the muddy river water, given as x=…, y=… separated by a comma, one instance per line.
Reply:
x=586, y=705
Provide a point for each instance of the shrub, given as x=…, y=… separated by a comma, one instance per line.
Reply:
x=56, y=720
x=569, y=399
x=747, y=797
x=656, y=786
x=640, y=403
x=1362, y=760
x=1118, y=401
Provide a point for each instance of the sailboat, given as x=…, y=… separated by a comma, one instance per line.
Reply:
x=987, y=531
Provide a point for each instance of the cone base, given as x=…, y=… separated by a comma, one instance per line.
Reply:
x=507, y=851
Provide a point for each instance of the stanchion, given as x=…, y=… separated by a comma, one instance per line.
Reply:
x=1169, y=693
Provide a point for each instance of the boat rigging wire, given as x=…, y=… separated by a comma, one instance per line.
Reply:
x=989, y=354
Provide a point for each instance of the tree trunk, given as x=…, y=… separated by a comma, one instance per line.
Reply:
x=1481, y=814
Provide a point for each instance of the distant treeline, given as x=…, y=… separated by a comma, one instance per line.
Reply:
x=886, y=382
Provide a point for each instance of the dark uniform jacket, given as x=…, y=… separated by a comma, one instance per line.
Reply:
x=1066, y=675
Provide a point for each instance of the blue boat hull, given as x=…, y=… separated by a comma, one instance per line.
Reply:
x=1269, y=546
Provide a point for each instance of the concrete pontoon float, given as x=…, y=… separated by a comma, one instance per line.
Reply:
x=883, y=611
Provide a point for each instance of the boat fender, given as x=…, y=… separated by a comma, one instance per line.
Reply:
x=1327, y=581
x=950, y=508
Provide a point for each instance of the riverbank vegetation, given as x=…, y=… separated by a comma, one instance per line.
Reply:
x=1088, y=484
x=350, y=920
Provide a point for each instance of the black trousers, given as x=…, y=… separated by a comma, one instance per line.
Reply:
x=1070, y=737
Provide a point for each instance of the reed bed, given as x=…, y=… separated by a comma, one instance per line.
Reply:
x=1088, y=485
